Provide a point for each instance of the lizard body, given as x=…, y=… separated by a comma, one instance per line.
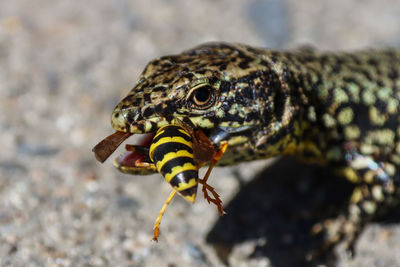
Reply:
x=337, y=109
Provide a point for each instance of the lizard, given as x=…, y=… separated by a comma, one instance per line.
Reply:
x=337, y=109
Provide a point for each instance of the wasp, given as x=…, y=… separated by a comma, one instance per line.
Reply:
x=177, y=151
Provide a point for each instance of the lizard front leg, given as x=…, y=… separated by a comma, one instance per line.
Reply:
x=377, y=188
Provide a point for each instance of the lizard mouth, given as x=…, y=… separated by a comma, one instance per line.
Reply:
x=136, y=158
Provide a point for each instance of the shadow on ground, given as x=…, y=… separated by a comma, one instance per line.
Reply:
x=279, y=206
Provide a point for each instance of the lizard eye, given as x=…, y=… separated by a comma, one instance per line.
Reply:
x=201, y=97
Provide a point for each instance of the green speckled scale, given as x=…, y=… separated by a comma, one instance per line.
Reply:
x=337, y=109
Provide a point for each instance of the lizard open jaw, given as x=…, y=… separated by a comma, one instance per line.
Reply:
x=134, y=161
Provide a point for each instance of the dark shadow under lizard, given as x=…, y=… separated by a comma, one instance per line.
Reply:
x=280, y=205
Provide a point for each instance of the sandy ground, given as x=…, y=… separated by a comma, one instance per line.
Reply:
x=64, y=65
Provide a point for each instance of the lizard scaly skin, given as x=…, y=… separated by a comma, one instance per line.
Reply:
x=336, y=109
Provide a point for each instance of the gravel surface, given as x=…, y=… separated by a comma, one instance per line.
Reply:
x=65, y=65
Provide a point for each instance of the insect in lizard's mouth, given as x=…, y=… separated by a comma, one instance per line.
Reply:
x=136, y=159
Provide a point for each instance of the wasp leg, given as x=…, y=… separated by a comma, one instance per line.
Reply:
x=143, y=150
x=138, y=149
x=160, y=214
x=216, y=200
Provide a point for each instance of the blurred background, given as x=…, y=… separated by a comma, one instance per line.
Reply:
x=64, y=65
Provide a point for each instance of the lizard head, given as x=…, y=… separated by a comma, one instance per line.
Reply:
x=211, y=85
x=232, y=93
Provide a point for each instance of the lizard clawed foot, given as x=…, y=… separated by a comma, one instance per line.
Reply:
x=333, y=232
x=216, y=200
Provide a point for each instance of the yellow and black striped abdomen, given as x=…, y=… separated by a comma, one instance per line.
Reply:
x=172, y=152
